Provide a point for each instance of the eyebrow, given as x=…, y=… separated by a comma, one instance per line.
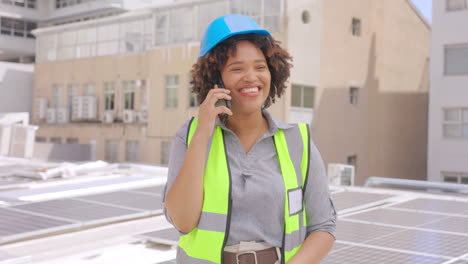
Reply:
x=240, y=62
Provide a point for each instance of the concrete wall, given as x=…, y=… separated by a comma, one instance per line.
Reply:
x=16, y=87
x=388, y=62
x=446, y=154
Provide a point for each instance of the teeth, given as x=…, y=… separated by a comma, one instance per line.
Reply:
x=250, y=90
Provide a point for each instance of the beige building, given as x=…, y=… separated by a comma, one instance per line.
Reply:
x=359, y=79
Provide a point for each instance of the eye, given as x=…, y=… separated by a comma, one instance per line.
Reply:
x=235, y=69
x=261, y=67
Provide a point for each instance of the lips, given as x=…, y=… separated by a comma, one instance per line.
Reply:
x=250, y=91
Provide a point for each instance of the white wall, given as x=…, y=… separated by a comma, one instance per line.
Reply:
x=16, y=85
x=446, y=91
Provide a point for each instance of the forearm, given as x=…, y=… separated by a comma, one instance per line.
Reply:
x=185, y=197
x=315, y=248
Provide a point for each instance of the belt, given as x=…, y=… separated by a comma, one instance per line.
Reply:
x=264, y=256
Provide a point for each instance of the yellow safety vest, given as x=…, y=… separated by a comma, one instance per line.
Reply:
x=205, y=243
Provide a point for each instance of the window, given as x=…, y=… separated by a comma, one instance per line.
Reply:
x=455, y=123
x=56, y=140
x=131, y=36
x=143, y=94
x=16, y=27
x=456, y=59
x=132, y=150
x=193, y=102
x=455, y=177
x=72, y=141
x=353, y=95
x=72, y=90
x=352, y=160
x=182, y=24
x=129, y=94
x=89, y=89
x=65, y=3
x=109, y=96
x=57, y=96
x=165, y=152
x=112, y=150
x=302, y=96
x=21, y=3
x=356, y=27
x=453, y=5
x=41, y=139
x=172, y=86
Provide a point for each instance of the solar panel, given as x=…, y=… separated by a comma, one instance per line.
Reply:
x=349, y=199
x=154, y=190
x=6, y=258
x=86, y=212
x=16, y=225
x=395, y=217
x=366, y=255
x=448, y=245
x=461, y=261
x=359, y=233
x=169, y=236
x=133, y=200
x=434, y=205
x=451, y=224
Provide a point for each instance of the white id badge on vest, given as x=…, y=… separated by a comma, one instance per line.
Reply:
x=295, y=201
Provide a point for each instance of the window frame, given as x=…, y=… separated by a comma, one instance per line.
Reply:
x=171, y=89
x=460, y=122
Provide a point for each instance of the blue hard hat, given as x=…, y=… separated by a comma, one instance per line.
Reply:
x=228, y=26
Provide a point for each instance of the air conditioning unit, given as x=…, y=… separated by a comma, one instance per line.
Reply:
x=129, y=116
x=62, y=115
x=143, y=116
x=51, y=116
x=340, y=174
x=22, y=141
x=89, y=105
x=108, y=117
x=77, y=108
x=41, y=108
x=5, y=137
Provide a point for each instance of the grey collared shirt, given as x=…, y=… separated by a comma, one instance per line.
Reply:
x=258, y=189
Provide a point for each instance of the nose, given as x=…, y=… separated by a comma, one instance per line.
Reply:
x=250, y=76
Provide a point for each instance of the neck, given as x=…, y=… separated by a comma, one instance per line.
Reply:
x=247, y=124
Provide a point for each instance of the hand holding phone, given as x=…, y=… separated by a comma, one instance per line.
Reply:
x=222, y=102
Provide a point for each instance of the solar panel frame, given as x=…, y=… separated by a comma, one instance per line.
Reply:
x=16, y=225
x=367, y=255
x=85, y=212
x=346, y=200
x=395, y=217
x=435, y=205
x=361, y=232
x=125, y=199
x=168, y=236
x=152, y=190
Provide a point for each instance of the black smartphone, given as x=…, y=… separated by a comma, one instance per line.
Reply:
x=222, y=101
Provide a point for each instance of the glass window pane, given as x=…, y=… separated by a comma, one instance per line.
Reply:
x=308, y=97
x=465, y=131
x=465, y=115
x=456, y=60
x=452, y=115
x=296, y=96
x=464, y=180
x=452, y=130
x=451, y=179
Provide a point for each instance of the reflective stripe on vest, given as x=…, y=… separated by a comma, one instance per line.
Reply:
x=205, y=243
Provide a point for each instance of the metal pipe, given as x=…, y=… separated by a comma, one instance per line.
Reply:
x=443, y=186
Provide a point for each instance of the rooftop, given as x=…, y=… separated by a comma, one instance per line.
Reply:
x=97, y=212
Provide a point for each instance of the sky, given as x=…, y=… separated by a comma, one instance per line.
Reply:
x=425, y=6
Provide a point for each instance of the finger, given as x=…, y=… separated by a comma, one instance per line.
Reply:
x=218, y=90
x=218, y=96
x=224, y=109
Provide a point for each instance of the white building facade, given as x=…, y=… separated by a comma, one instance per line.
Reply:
x=448, y=97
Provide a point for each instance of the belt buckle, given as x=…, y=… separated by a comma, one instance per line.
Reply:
x=254, y=253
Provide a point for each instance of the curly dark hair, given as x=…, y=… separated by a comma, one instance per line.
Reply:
x=205, y=72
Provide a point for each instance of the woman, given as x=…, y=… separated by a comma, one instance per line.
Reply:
x=245, y=187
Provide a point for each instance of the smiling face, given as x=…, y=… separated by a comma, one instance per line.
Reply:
x=247, y=75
